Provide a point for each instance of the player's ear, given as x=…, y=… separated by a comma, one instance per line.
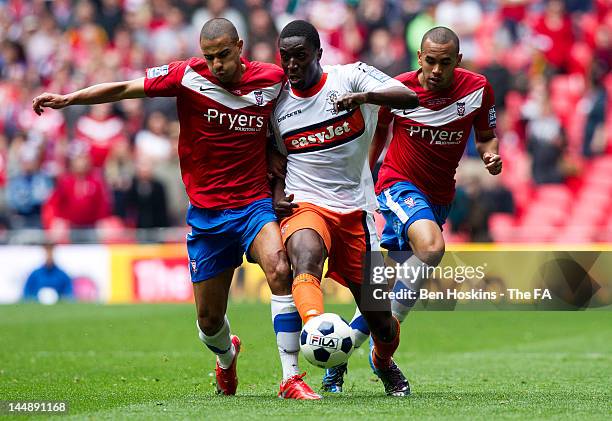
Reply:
x=459, y=57
x=239, y=44
x=419, y=58
x=319, y=54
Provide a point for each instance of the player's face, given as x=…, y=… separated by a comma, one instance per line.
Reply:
x=223, y=58
x=438, y=62
x=300, y=61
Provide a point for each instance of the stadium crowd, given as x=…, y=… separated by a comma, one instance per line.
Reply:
x=116, y=165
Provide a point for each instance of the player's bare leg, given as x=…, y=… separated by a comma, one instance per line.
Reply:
x=307, y=253
x=214, y=330
x=427, y=244
x=267, y=250
x=385, y=330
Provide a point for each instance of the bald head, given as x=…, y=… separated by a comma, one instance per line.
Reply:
x=441, y=35
x=217, y=28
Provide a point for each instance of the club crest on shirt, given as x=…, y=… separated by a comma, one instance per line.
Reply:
x=259, y=98
x=461, y=109
x=194, y=266
x=409, y=201
x=331, y=99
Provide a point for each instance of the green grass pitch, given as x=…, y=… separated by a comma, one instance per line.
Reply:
x=146, y=362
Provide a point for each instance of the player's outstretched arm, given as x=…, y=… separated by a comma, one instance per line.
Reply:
x=96, y=94
x=399, y=97
x=487, y=146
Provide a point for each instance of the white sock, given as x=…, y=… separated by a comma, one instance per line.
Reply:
x=417, y=273
x=360, y=328
x=220, y=343
x=287, y=327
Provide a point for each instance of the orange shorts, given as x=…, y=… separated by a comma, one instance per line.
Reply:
x=347, y=237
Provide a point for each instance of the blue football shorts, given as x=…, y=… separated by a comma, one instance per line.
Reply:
x=401, y=205
x=219, y=238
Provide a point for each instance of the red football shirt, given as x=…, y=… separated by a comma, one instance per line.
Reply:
x=222, y=144
x=428, y=141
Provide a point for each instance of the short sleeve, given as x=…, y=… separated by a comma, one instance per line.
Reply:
x=164, y=80
x=365, y=78
x=486, y=119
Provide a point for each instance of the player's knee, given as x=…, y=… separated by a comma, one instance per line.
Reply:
x=383, y=329
x=308, y=260
x=278, y=275
x=210, y=323
x=432, y=251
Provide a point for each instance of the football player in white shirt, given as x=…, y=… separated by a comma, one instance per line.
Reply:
x=324, y=121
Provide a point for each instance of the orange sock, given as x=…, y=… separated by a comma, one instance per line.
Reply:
x=383, y=351
x=307, y=296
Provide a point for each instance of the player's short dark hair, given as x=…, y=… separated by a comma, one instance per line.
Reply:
x=218, y=27
x=301, y=28
x=441, y=35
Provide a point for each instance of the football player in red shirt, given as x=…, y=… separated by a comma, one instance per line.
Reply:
x=224, y=103
x=416, y=183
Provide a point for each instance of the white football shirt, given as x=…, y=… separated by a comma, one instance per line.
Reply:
x=326, y=151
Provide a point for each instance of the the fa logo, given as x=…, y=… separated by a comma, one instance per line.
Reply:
x=194, y=266
x=259, y=98
x=461, y=109
x=284, y=228
x=409, y=202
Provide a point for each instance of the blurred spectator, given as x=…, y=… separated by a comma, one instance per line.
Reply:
x=220, y=9
x=261, y=29
x=27, y=191
x=596, y=102
x=119, y=170
x=99, y=130
x=554, y=35
x=546, y=143
x=513, y=13
x=48, y=276
x=173, y=39
x=463, y=17
x=153, y=142
x=498, y=76
x=146, y=198
x=110, y=16
x=381, y=54
x=416, y=28
x=168, y=172
x=80, y=198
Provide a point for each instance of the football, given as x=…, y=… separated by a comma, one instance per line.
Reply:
x=327, y=340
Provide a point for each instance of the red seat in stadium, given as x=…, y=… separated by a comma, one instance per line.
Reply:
x=558, y=194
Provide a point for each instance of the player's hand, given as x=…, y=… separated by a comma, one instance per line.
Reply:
x=47, y=100
x=493, y=162
x=349, y=101
x=284, y=207
x=277, y=163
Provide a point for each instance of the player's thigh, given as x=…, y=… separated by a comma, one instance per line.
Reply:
x=307, y=239
x=426, y=240
x=268, y=251
x=211, y=300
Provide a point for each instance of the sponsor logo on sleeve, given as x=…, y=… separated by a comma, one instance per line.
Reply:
x=492, y=117
x=154, y=72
